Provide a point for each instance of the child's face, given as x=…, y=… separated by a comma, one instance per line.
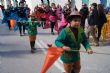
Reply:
x=32, y=18
x=75, y=22
x=22, y=5
x=92, y=7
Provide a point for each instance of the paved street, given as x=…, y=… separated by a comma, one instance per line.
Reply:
x=15, y=56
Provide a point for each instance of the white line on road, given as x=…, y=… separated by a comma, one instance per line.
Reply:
x=43, y=46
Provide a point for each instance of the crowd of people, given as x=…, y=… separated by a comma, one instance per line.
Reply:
x=74, y=27
x=50, y=16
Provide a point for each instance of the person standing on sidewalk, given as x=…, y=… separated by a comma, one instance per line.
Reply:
x=84, y=13
x=102, y=19
x=53, y=18
x=32, y=31
x=93, y=21
x=7, y=14
x=70, y=39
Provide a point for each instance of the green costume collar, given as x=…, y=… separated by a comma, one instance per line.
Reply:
x=69, y=32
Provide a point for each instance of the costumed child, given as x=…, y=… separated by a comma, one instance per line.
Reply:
x=70, y=39
x=53, y=18
x=63, y=23
x=32, y=31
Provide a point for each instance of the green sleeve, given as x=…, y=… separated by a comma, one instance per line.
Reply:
x=60, y=39
x=85, y=41
x=38, y=24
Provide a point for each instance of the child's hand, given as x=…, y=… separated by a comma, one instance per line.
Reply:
x=49, y=45
x=66, y=48
x=89, y=51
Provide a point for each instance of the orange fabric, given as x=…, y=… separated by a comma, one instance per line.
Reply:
x=106, y=29
x=108, y=26
x=38, y=15
x=12, y=23
x=52, y=55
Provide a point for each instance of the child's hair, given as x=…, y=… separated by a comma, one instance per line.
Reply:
x=21, y=2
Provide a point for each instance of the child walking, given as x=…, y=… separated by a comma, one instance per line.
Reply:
x=32, y=31
x=70, y=39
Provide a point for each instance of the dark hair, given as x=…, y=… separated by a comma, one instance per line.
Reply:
x=73, y=17
x=84, y=5
x=100, y=7
x=52, y=4
x=21, y=2
x=94, y=4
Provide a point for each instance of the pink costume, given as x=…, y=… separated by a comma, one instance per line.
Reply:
x=59, y=11
x=52, y=18
x=63, y=21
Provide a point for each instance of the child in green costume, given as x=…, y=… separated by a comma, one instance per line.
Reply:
x=32, y=31
x=70, y=39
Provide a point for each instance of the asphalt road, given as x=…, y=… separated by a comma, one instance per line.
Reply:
x=15, y=56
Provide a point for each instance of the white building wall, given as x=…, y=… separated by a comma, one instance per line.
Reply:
x=52, y=1
x=33, y=3
x=45, y=1
x=78, y=4
x=61, y=2
x=94, y=1
x=108, y=3
x=5, y=4
x=12, y=2
x=0, y=2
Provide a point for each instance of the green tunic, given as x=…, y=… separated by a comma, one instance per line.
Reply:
x=32, y=27
x=67, y=38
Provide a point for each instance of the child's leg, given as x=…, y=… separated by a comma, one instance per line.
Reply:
x=94, y=36
x=76, y=67
x=52, y=27
x=68, y=67
x=8, y=21
x=34, y=39
x=32, y=43
x=20, y=28
x=24, y=28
